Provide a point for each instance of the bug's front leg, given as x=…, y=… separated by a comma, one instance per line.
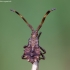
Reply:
x=44, y=51
x=25, y=46
x=41, y=47
x=39, y=35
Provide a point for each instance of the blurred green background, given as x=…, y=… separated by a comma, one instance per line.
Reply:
x=14, y=33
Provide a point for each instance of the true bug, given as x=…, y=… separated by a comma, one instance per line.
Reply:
x=34, y=55
x=32, y=51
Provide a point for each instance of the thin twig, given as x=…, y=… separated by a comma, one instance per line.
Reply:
x=35, y=66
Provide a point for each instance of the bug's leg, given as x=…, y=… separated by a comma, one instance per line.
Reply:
x=43, y=57
x=44, y=51
x=25, y=46
x=24, y=56
x=39, y=35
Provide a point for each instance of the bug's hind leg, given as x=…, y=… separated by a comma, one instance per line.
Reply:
x=24, y=56
x=44, y=51
x=42, y=56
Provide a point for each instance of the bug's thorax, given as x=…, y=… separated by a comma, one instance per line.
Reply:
x=34, y=42
x=34, y=39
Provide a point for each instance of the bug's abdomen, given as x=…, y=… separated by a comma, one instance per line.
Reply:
x=30, y=55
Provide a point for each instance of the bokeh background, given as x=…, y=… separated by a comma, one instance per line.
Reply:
x=14, y=33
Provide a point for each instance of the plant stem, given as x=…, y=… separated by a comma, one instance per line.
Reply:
x=35, y=66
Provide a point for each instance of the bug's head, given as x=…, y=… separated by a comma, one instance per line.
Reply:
x=34, y=34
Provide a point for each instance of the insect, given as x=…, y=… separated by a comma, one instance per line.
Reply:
x=33, y=56
x=33, y=52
